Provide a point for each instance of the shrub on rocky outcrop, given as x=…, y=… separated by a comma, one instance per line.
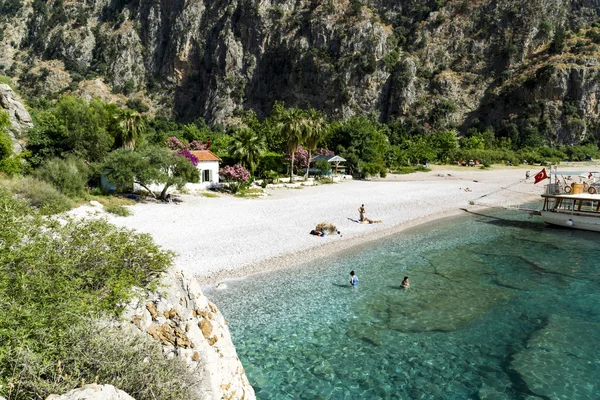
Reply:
x=55, y=276
x=97, y=351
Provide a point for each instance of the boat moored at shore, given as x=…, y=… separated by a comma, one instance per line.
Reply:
x=577, y=211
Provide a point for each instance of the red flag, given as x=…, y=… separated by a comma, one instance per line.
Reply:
x=540, y=176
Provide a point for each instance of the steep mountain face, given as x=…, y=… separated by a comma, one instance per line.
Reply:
x=429, y=62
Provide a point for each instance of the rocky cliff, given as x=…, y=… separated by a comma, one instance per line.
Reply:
x=191, y=327
x=442, y=63
x=19, y=117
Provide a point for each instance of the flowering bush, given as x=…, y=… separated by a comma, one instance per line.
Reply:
x=198, y=145
x=175, y=144
x=323, y=152
x=235, y=173
x=301, y=156
x=186, y=153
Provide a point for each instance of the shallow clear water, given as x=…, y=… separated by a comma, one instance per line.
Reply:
x=500, y=307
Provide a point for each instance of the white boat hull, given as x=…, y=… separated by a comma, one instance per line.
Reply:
x=583, y=222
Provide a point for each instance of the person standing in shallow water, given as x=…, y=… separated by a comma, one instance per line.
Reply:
x=361, y=213
x=405, y=283
x=353, y=279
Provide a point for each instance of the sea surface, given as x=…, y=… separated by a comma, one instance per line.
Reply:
x=500, y=306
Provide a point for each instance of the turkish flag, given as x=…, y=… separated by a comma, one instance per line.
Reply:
x=540, y=176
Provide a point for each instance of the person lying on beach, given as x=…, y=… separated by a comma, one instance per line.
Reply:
x=405, y=283
x=317, y=233
x=373, y=221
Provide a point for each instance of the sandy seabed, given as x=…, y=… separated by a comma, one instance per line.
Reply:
x=229, y=237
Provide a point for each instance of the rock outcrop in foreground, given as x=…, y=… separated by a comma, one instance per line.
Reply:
x=93, y=392
x=191, y=327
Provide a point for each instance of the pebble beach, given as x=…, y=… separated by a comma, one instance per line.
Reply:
x=226, y=237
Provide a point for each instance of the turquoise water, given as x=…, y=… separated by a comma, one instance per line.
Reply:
x=500, y=307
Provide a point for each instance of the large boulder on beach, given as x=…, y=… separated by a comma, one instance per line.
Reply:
x=326, y=227
x=554, y=368
x=189, y=326
x=93, y=392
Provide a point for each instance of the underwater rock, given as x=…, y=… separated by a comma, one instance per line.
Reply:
x=551, y=366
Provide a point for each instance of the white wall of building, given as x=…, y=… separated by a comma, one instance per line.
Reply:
x=209, y=174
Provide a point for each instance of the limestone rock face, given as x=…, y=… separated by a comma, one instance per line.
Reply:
x=440, y=64
x=191, y=327
x=20, y=119
x=94, y=392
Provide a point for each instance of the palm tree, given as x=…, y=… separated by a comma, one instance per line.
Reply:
x=130, y=126
x=292, y=125
x=247, y=147
x=315, y=131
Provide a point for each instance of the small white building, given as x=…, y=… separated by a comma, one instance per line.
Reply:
x=208, y=166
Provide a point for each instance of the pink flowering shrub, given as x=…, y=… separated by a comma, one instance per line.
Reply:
x=301, y=156
x=323, y=152
x=186, y=153
x=175, y=144
x=198, y=145
x=235, y=173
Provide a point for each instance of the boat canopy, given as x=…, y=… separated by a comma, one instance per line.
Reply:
x=577, y=173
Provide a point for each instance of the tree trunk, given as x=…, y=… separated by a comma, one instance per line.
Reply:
x=292, y=169
x=146, y=187
x=164, y=191
x=308, y=163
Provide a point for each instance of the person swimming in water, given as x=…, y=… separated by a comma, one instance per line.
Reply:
x=353, y=279
x=405, y=283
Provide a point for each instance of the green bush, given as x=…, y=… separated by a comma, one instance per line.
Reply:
x=69, y=175
x=11, y=166
x=40, y=195
x=323, y=166
x=369, y=169
x=52, y=276
x=137, y=105
x=129, y=361
x=382, y=171
x=117, y=210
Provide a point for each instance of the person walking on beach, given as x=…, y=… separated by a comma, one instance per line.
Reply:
x=353, y=279
x=405, y=283
x=361, y=213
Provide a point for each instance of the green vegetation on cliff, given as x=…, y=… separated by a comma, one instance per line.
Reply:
x=57, y=280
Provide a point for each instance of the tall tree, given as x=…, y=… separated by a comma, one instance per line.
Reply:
x=292, y=125
x=247, y=147
x=151, y=165
x=130, y=127
x=315, y=130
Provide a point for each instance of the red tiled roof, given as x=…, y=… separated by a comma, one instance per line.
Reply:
x=205, y=155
